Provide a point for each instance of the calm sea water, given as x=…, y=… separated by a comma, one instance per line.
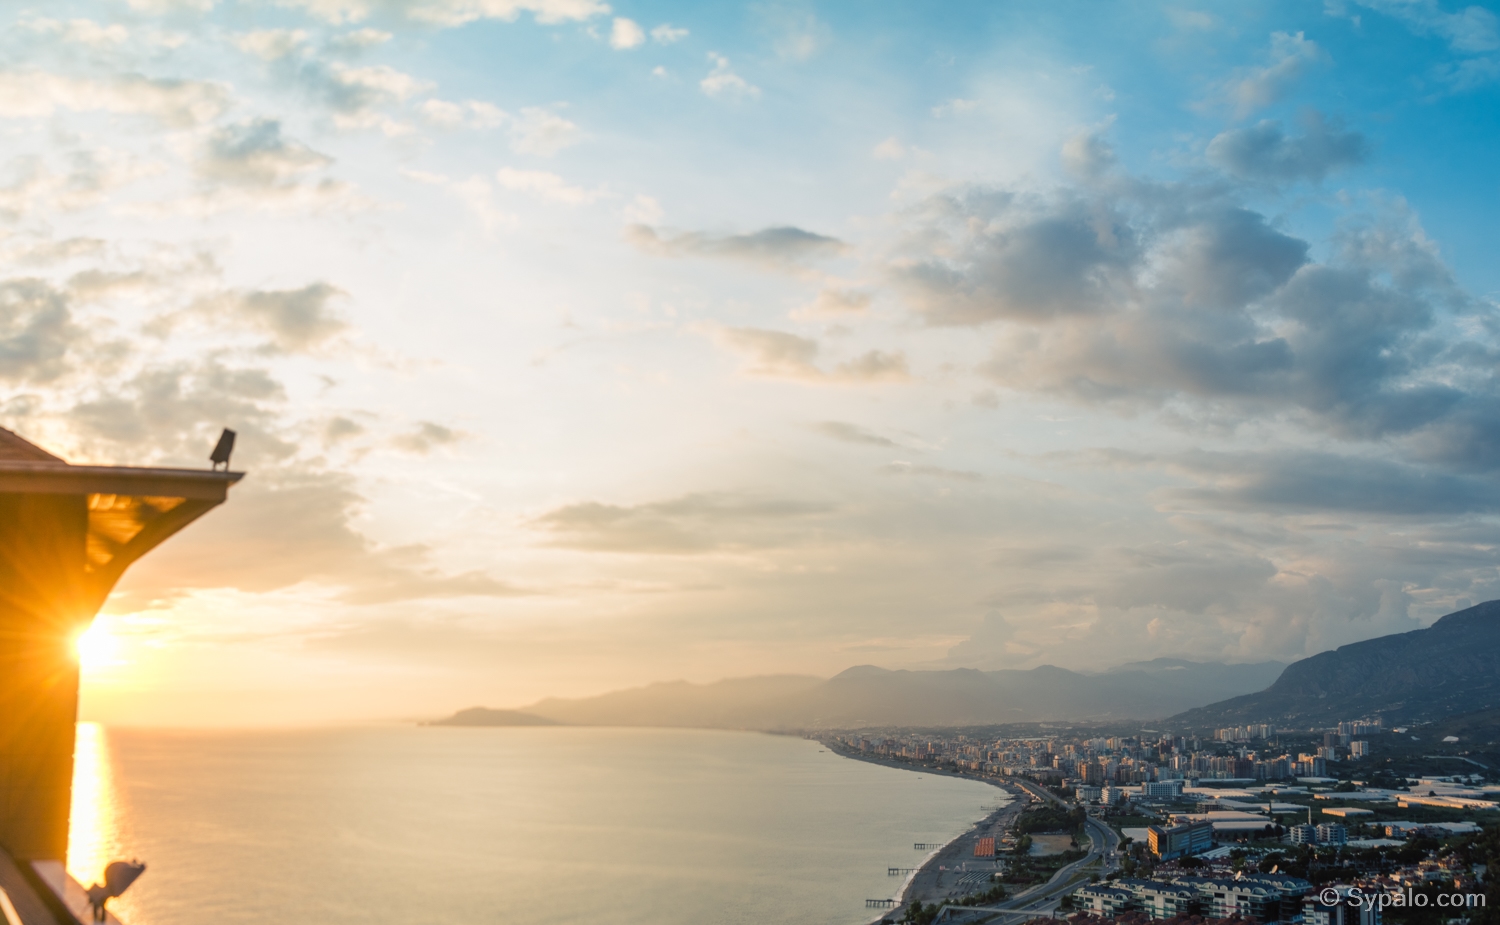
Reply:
x=520, y=826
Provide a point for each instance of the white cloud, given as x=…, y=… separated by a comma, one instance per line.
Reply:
x=833, y=303
x=334, y=11
x=545, y=186
x=452, y=12
x=889, y=150
x=160, y=7
x=271, y=44
x=626, y=33
x=1471, y=29
x=954, y=107
x=724, y=82
x=178, y=103
x=666, y=34
x=81, y=32
x=543, y=133
x=360, y=39
x=469, y=114
x=643, y=210
x=779, y=355
x=1292, y=55
x=256, y=154
x=88, y=178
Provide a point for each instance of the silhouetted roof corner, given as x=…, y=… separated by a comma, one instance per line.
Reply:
x=15, y=448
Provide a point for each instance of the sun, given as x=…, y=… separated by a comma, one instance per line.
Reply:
x=95, y=646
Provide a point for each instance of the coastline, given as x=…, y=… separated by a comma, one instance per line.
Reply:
x=925, y=882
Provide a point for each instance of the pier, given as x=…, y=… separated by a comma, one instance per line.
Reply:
x=899, y=871
x=880, y=903
x=925, y=846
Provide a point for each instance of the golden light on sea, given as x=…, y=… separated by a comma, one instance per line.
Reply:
x=94, y=829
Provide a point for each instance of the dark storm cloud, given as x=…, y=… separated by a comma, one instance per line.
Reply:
x=1264, y=152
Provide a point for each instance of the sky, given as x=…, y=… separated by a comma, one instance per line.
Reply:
x=577, y=345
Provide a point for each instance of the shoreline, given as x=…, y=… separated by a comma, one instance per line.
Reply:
x=926, y=879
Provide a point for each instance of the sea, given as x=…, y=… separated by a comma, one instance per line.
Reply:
x=523, y=826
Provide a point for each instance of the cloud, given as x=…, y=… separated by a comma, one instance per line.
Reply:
x=667, y=34
x=693, y=524
x=451, y=13
x=1265, y=152
x=1292, y=56
x=256, y=154
x=937, y=472
x=954, y=107
x=723, y=82
x=272, y=44
x=889, y=150
x=87, y=180
x=1086, y=156
x=1307, y=482
x=175, y=103
x=427, y=437
x=295, y=320
x=355, y=95
x=781, y=246
x=852, y=433
x=626, y=33
x=542, y=133
x=473, y=114
x=37, y=332
x=835, y=303
x=1170, y=296
x=85, y=32
x=286, y=527
x=163, y=7
x=355, y=91
x=1470, y=30
x=779, y=355
x=545, y=186
x=1000, y=255
x=459, y=12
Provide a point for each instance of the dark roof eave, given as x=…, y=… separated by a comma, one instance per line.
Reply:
x=47, y=478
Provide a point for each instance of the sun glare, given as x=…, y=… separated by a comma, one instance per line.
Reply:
x=95, y=646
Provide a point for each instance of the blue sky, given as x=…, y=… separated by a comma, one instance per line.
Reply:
x=577, y=345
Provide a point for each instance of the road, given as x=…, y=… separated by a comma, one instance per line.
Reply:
x=1103, y=857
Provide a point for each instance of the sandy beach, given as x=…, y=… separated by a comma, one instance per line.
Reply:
x=953, y=871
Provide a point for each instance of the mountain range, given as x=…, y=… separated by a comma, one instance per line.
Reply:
x=866, y=696
x=1451, y=667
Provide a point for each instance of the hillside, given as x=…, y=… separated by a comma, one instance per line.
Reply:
x=1451, y=667
x=866, y=696
x=481, y=716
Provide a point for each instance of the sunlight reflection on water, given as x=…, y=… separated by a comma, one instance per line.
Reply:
x=95, y=833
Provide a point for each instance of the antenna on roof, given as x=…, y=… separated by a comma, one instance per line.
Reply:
x=222, y=450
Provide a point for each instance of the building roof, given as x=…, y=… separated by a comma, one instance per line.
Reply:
x=131, y=509
x=15, y=448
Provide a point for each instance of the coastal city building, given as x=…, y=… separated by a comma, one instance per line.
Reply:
x=1180, y=840
x=1259, y=897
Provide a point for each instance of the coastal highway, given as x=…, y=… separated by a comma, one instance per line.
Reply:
x=1104, y=847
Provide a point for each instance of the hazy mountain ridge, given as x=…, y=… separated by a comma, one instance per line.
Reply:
x=1450, y=668
x=869, y=696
